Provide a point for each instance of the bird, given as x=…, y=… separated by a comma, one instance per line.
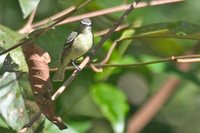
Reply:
x=77, y=44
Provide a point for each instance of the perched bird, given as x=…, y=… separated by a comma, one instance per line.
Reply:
x=77, y=44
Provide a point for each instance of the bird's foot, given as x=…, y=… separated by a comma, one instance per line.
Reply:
x=77, y=68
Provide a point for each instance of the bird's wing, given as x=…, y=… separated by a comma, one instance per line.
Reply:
x=67, y=45
x=69, y=41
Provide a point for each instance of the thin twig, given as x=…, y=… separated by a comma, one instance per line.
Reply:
x=62, y=18
x=70, y=79
x=121, y=19
x=27, y=28
x=103, y=32
x=109, y=53
x=116, y=9
x=96, y=69
x=53, y=18
x=177, y=59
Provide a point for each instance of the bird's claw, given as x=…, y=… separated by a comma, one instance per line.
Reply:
x=77, y=67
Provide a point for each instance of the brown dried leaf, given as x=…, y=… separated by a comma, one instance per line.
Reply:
x=37, y=60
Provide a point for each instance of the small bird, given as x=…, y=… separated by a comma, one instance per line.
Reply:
x=77, y=44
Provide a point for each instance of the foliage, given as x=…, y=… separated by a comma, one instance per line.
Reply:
x=104, y=102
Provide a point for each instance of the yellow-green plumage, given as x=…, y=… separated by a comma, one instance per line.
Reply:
x=80, y=45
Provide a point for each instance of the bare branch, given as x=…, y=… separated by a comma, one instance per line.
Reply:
x=116, y=9
x=54, y=17
x=109, y=53
x=70, y=79
x=191, y=58
x=103, y=32
x=25, y=40
x=121, y=19
x=27, y=28
x=94, y=68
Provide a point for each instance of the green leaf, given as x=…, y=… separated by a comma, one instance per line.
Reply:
x=27, y=6
x=81, y=126
x=112, y=103
x=9, y=38
x=181, y=30
x=122, y=48
x=117, y=54
x=12, y=106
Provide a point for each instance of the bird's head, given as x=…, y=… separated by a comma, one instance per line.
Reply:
x=86, y=22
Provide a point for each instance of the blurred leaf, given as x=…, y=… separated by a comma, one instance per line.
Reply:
x=117, y=54
x=27, y=6
x=113, y=104
x=123, y=47
x=156, y=68
x=51, y=128
x=90, y=108
x=187, y=75
x=107, y=72
x=182, y=111
x=12, y=106
x=6, y=130
x=3, y=123
x=81, y=126
x=181, y=30
x=164, y=46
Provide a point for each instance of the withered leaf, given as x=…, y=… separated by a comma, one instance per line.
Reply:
x=37, y=60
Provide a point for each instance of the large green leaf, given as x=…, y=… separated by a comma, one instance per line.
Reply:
x=113, y=104
x=12, y=106
x=14, y=85
x=27, y=6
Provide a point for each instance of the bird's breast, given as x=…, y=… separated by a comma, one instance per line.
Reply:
x=82, y=43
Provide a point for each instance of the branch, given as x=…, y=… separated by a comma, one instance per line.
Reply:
x=177, y=59
x=116, y=9
x=27, y=28
x=42, y=31
x=103, y=32
x=121, y=19
x=70, y=79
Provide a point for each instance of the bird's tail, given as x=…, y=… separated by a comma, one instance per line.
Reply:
x=60, y=74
